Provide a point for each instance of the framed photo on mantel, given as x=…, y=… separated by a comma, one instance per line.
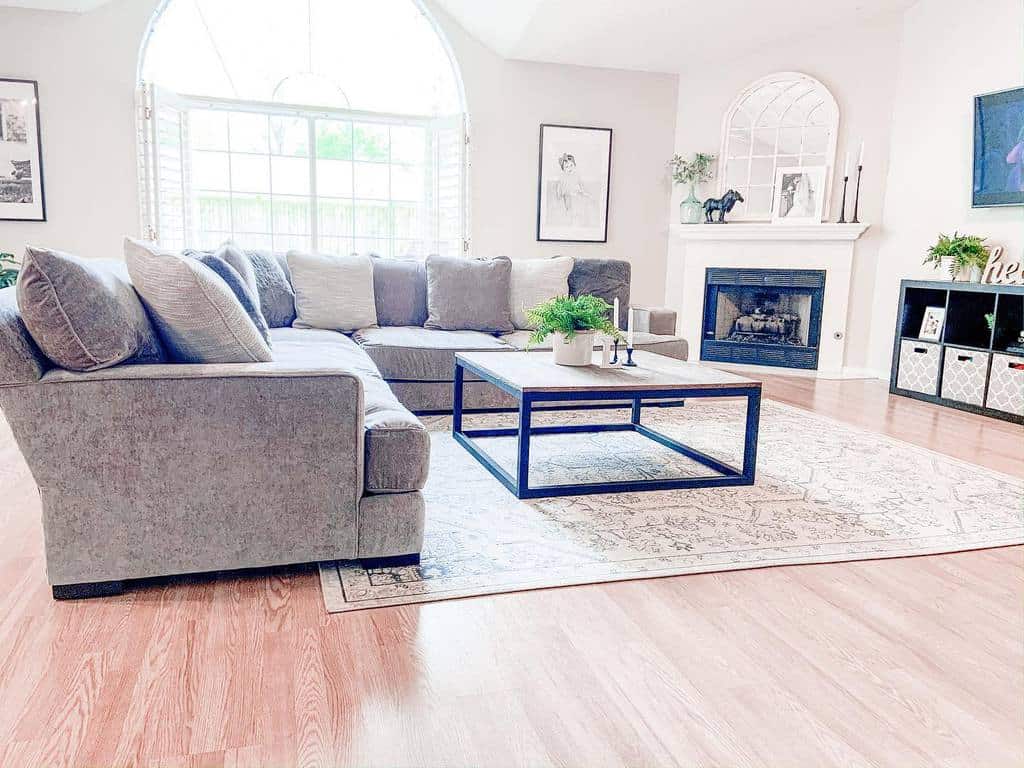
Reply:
x=573, y=184
x=21, y=155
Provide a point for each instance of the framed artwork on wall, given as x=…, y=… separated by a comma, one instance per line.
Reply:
x=21, y=155
x=573, y=182
x=998, y=149
x=799, y=196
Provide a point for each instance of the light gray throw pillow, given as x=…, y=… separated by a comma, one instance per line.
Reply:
x=535, y=281
x=332, y=292
x=469, y=294
x=199, y=318
x=84, y=315
x=245, y=294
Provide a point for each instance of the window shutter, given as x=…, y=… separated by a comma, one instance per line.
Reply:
x=447, y=193
x=163, y=144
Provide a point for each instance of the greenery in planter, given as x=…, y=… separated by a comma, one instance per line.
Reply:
x=960, y=251
x=8, y=270
x=569, y=315
x=695, y=171
x=990, y=320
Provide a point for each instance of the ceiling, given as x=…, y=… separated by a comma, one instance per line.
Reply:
x=652, y=35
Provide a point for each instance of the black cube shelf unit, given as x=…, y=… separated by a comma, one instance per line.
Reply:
x=970, y=367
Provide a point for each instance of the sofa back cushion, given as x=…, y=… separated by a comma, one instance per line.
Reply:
x=198, y=316
x=606, y=278
x=535, y=281
x=469, y=294
x=84, y=315
x=400, y=291
x=332, y=292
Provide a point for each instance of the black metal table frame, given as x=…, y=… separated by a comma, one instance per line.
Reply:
x=520, y=484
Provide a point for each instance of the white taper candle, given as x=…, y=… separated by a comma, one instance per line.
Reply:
x=860, y=161
x=629, y=328
x=615, y=313
x=846, y=166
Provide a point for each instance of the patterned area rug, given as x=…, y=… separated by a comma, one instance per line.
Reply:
x=825, y=492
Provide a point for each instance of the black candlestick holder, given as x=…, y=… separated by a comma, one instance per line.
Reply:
x=856, y=197
x=615, y=353
x=629, y=358
x=842, y=210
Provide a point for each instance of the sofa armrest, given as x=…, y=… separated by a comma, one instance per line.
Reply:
x=157, y=469
x=660, y=321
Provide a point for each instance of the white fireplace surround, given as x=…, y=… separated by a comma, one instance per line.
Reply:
x=827, y=247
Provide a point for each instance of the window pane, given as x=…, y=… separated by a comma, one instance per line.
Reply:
x=407, y=219
x=334, y=139
x=248, y=132
x=407, y=182
x=371, y=180
x=370, y=142
x=291, y=215
x=408, y=144
x=209, y=240
x=251, y=241
x=289, y=136
x=341, y=246
x=250, y=173
x=373, y=219
x=379, y=245
x=334, y=178
x=251, y=213
x=290, y=175
x=336, y=218
x=213, y=211
x=208, y=130
x=292, y=242
x=407, y=249
x=210, y=170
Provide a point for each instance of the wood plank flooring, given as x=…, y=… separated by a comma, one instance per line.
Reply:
x=911, y=662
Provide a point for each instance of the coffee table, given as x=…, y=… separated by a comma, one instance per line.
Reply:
x=532, y=378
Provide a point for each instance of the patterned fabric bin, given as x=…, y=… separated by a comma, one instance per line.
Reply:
x=919, y=366
x=963, y=375
x=1006, y=384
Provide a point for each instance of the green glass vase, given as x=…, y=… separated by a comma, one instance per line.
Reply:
x=691, y=210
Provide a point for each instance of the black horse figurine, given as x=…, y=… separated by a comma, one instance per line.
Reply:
x=721, y=204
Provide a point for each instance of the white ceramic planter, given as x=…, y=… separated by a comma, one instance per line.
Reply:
x=575, y=351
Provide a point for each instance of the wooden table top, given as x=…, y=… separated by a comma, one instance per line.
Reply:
x=537, y=372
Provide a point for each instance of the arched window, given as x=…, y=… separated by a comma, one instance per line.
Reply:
x=332, y=125
x=784, y=120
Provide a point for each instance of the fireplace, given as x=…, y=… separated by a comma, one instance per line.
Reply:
x=763, y=316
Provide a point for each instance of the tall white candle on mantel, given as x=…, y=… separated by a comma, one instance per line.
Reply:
x=615, y=313
x=846, y=166
x=860, y=160
x=629, y=328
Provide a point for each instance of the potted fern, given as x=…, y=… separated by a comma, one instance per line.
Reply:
x=8, y=270
x=692, y=172
x=572, y=321
x=965, y=256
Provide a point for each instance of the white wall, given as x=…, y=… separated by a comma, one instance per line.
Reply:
x=857, y=66
x=951, y=51
x=86, y=64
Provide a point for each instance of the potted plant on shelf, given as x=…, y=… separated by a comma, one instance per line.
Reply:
x=692, y=172
x=572, y=321
x=965, y=255
x=8, y=270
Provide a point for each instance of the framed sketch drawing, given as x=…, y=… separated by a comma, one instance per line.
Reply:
x=931, y=324
x=573, y=182
x=21, y=156
x=799, y=196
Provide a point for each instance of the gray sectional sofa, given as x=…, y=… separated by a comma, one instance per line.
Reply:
x=169, y=468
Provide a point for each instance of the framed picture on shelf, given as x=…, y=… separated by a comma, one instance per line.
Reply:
x=931, y=324
x=21, y=156
x=573, y=182
x=799, y=196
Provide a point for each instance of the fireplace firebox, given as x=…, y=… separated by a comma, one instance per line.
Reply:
x=763, y=316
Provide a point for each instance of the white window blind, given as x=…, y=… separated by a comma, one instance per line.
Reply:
x=280, y=177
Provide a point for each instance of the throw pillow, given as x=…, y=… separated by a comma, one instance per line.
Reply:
x=606, y=278
x=535, y=281
x=332, y=292
x=469, y=294
x=84, y=315
x=198, y=316
x=245, y=295
x=277, y=298
x=400, y=291
x=242, y=264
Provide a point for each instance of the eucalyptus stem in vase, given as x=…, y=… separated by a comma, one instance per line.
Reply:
x=692, y=172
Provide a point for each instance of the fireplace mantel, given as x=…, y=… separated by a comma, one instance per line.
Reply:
x=738, y=230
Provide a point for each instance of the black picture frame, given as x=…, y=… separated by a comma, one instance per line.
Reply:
x=543, y=236
x=986, y=159
x=38, y=153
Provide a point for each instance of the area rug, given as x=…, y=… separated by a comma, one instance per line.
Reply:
x=825, y=492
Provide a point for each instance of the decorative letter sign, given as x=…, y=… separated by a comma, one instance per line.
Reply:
x=1001, y=273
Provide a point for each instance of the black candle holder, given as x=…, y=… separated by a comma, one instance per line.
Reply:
x=842, y=211
x=856, y=197
x=629, y=358
x=615, y=353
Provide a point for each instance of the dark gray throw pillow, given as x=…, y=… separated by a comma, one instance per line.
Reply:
x=238, y=286
x=84, y=315
x=469, y=294
x=605, y=278
x=277, y=298
x=400, y=291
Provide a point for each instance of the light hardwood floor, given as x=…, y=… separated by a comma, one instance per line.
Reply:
x=912, y=662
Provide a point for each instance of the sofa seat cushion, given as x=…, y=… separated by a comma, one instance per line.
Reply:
x=670, y=346
x=397, y=445
x=407, y=353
